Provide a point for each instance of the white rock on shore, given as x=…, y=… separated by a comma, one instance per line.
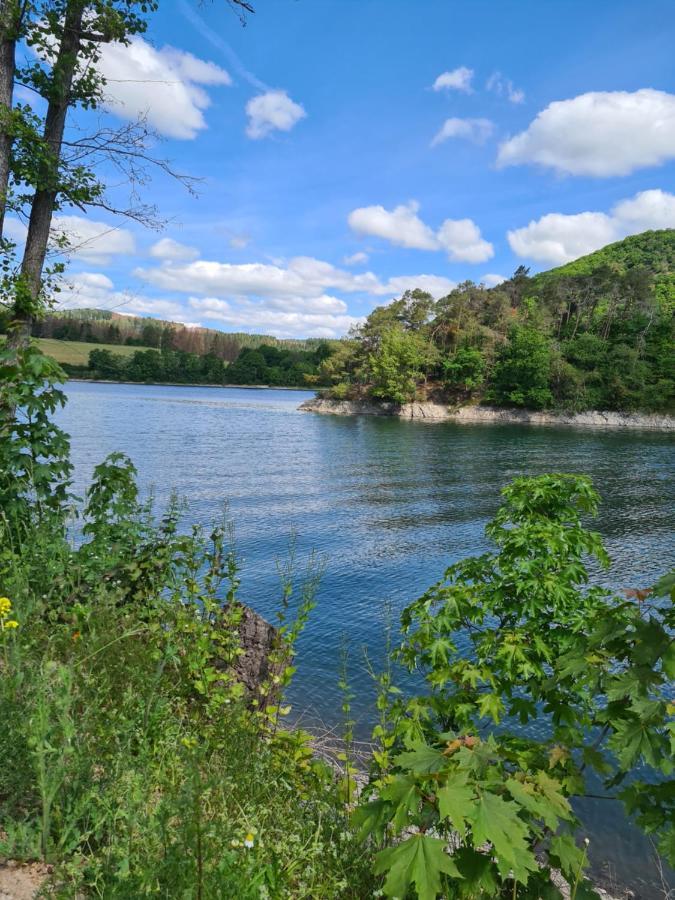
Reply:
x=438, y=412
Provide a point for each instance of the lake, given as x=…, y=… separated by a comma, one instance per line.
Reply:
x=389, y=503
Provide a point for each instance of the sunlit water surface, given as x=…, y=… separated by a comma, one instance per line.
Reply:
x=389, y=503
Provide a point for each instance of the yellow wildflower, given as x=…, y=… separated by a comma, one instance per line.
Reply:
x=5, y=609
x=249, y=840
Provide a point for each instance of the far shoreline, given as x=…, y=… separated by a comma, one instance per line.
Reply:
x=245, y=387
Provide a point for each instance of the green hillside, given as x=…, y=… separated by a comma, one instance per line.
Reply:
x=651, y=251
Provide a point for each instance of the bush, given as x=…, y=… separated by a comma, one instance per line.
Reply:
x=503, y=639
x=132, y=758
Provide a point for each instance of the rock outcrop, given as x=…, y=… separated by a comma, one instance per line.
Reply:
x=438, y=412
x=257, y=638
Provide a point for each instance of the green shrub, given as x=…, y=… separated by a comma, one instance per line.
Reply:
x=504, y=639
x=132, y=758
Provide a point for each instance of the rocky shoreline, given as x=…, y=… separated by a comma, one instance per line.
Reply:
x=438, y=412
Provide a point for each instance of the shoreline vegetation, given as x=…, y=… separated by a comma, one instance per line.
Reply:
x=595, y=334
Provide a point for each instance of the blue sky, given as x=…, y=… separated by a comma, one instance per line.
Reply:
x=387, y=143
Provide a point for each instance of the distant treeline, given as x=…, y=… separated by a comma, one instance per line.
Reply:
x=103, y=327
x=266, y=365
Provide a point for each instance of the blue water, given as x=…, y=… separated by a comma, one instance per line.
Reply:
x=389, y=503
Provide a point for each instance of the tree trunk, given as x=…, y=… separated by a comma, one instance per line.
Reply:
x=44, y=200
x=11, y=14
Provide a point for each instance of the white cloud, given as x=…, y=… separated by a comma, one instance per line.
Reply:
x=81, y=238
x=492, y=279
x=322, y=319
x=435, y=285
x=400, y=226
x=168, y=249
x=504, y=87
x=557, y=238
x=303, y=276
x=476, y=130
x=92, y=241
x=163, y=85
x=645, y=211
x=94, y=290
x=460, y=238
x=356, y=259
x=239, y=241
x=456, y=80
x=272, y=111
x=598, y=134
x=463, y=242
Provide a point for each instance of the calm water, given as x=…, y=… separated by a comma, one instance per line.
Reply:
x=391, y=504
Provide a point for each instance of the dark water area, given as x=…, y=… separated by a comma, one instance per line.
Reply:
x=389, y=503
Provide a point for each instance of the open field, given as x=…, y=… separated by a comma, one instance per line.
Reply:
x=76, y=353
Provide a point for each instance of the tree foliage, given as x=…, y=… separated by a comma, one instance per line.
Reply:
x=505, y=639
x=596, y=334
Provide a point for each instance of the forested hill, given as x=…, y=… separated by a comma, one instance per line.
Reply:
x=652, y=252
x=596, y=333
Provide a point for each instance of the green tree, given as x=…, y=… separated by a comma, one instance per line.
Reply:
x=464, y=369
x=522, y=371
x=399, y=364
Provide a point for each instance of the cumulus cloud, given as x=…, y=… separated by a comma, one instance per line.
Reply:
x=492, y=279
x=558, y=238
x=239, y=241
x=598, y=134
x=165, y=86
x=400, y=226
x=645, y=211
x=356, y=259
x=290, y=299
x=168, y=249
x=87, y=290
x=79, y=237
x=476, y=130
x=272, y=111
x=435, y=285
x=504, y=87
x=91, y=241
x=303, y=276
x=460, y=238
x=323, y=318
x=457, y=80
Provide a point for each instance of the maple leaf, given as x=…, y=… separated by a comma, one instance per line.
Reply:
x=496, y=820
x=422, y=760
x=420, y=860
x=557, y=755
x=456, y=800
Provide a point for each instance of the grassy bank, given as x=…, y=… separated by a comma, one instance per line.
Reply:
x=76, y=353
